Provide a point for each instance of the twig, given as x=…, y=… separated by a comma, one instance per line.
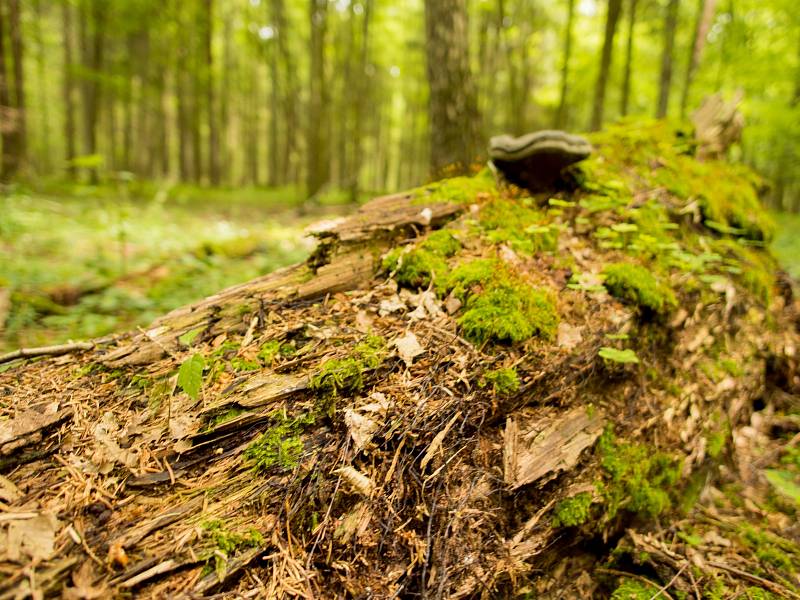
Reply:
x=57, y=350
x=771, y=585
x=671, y=581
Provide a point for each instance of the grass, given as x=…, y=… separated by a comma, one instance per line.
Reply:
x=786, y=244
x=141, y=256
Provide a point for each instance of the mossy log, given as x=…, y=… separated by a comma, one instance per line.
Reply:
x=367, y=430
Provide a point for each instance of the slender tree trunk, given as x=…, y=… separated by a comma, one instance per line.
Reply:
x=20, y=105
x=317, y=127
x=612, y=18
x=213, y=134
x=67, y=91
x=289, y=168
x=796, y=96
x=665, y=80
x=182, y=117
x=45, y=154
x=626, y=83
x=7, y=115
x=274, y=178
x=561, y=113
x=453, y=110
x=91, y=36
x=224, y=100
x=362, y=100
x=705, y=14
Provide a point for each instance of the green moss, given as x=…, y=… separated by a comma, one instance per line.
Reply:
x=504, y=382
x=225, y=416
x=523, y=228
x=637, y=478
x=717, y=439
x=635, y=284
x=239, y=364
x=229, y=542
x=573, y=511
x=280, y=446
x=272, y=349
x=771, y=549
x=509, y=312
x=633, y=589
x=346, y=375
x=755, y=269
x=500, y=306
x=757, y=593
x=419, y=266
x=460, y=190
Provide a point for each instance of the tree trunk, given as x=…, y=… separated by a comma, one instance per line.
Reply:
x=289, y=167
x=45, y=153
x=612, y=18
x=12, y=91
x=7, y=115
x=561, y=113
x=213, y=134
x=665, y=79
x=15, y=34
x=452, y=106
x=274, y=177
x=318, y=170
x=626, y=84
x=363, y=83
x=705, y=15
x=92, y=25
x=68, y=87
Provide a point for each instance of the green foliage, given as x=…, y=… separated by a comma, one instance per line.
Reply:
x=635, y=284
x=618, y=356
x=771, y=550
x=573, y=511
x=190, y=375
x=523, y=228
x=786, y=245
x=459, y=190
x=504, y=381
x=755, y=269
x=785, y=483
x=227, y=544
x=419, y=266
x=633, y=589
x=280, y=446
x=500, y=306
x=272, y=349
x=346, y=375
x=638, y=479
x=225, y=416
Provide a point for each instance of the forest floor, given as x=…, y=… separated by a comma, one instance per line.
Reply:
x=86, y=264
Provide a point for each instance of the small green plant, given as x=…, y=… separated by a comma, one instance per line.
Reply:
x=240, y=364
x=227, y=544
x=624, y=357
x=190, y=375
x=424, y=263
x=225, y=416
x=635, y=284
x=638, y=479
x=504, y=382
x=573, y=511
x=632, y=589
x=280, y=446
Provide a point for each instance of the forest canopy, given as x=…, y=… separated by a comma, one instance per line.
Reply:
x=342, y=95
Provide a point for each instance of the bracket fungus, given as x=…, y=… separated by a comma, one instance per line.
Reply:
x=536, y=160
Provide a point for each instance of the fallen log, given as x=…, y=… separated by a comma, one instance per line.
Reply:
x=461, y=386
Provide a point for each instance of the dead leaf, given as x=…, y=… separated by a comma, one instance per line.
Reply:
x=361, y=428
x=391, y=305
x=569, y=336
x=34, y=537
x=408, y=347
x=357, y=480
x=83, y=580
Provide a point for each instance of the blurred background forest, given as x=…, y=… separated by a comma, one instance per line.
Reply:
x=152, y=148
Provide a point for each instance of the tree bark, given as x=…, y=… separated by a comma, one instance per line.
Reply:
x=705, y=14
x=12, y=91
x=626, y=84
x=361, y=101
x=612, y=18
x=92, y=42
x=561, y=113
x=318, y=169
x=665, y=79
x=68, y=87
x=452, y=106
x=213, y=134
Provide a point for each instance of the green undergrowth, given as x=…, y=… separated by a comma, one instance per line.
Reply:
x=754, y=268
x=634, y=589
x=346, y=375
x=280, y=446
x=424, y=263
x=523, y=228
x=635, y=284
x=637, y=479
x=500, y=306
x=573, y=511
x=461, y=190
x=503, y=381
x=226, y=545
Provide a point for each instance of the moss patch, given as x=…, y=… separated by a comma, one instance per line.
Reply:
x=633, y=589
x=573, y=511
x=635, y=284
x=500, y=306
x=504, y=382
x=755, y=269
x=460, y=190
x=425, y=263
x=638, y=479
x=280, y=446
x=524, y=229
